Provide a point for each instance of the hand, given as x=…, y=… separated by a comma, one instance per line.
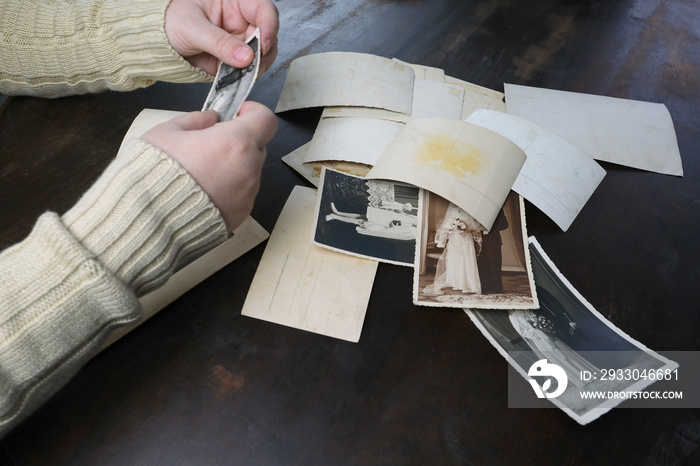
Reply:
x=206, y=31
x=225, y=159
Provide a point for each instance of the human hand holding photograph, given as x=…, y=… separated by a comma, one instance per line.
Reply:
x=232, y=85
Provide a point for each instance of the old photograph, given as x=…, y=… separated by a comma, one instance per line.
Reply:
x=367, y=218
x=232, y=85
x=567, y=331
x=459, y=264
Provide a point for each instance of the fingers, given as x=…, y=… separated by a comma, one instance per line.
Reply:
x=224, y=158
x=267, y=60
x=205, y=32
x=262, y=14
x=224, y=46
x=177, y=137
x=195, y=120
x=258, y=122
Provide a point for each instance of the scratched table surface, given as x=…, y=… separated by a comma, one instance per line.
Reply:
x=201, y=384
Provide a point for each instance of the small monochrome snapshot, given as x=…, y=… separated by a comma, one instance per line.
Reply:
x=367, y=218
x=232, y=85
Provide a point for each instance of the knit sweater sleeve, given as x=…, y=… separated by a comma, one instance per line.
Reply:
x=51, y=48
x=76, y=278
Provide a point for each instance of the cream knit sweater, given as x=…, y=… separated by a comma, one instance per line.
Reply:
x=76, y=277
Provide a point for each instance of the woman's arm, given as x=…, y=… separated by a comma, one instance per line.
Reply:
x=53, y=48
x=77, y=277
x=57, y=48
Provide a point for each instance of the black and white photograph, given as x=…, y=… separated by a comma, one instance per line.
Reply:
x=567, y=331
x=367, y=218
x=459, y=264
x=232, y=85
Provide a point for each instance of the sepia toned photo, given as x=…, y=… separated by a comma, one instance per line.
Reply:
x=567, y=331
x=232, y=85
x=459, y=265
x=367, y=218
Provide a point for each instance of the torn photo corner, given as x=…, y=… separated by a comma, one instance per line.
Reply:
x=232, y=85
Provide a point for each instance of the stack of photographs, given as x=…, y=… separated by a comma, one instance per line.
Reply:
x=417, y=169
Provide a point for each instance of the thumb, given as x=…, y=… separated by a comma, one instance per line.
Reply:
x=165, y=135
x=193, y=121
x=257, y=121
x=224, y=46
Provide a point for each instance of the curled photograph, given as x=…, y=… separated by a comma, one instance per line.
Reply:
x=232, y=85
x=568, y=332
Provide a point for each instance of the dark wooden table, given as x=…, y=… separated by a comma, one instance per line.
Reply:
x=201, y=384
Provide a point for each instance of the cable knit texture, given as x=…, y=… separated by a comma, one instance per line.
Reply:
x=77, y=277
x=52, y=48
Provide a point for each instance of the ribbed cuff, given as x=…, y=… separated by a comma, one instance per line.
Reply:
x=54, y=48
x=144, y=216
x=57, y=306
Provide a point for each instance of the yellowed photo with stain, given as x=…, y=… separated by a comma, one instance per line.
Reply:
x=472, y=167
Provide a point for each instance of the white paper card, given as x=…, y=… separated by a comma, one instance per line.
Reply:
x=476, y=97
x=626, y=132
x=557, y=176
x=304, y=286
x=425, y=72
x=360, y=140
x=347, y=79
x=436, y=99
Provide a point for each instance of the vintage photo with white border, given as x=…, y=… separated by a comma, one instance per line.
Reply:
x=568, y=332
x=371, y=219
x=459, y=265
x=231, y=85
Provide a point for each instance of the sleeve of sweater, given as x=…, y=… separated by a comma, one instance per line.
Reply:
x=77, y=277
x=52, y=48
